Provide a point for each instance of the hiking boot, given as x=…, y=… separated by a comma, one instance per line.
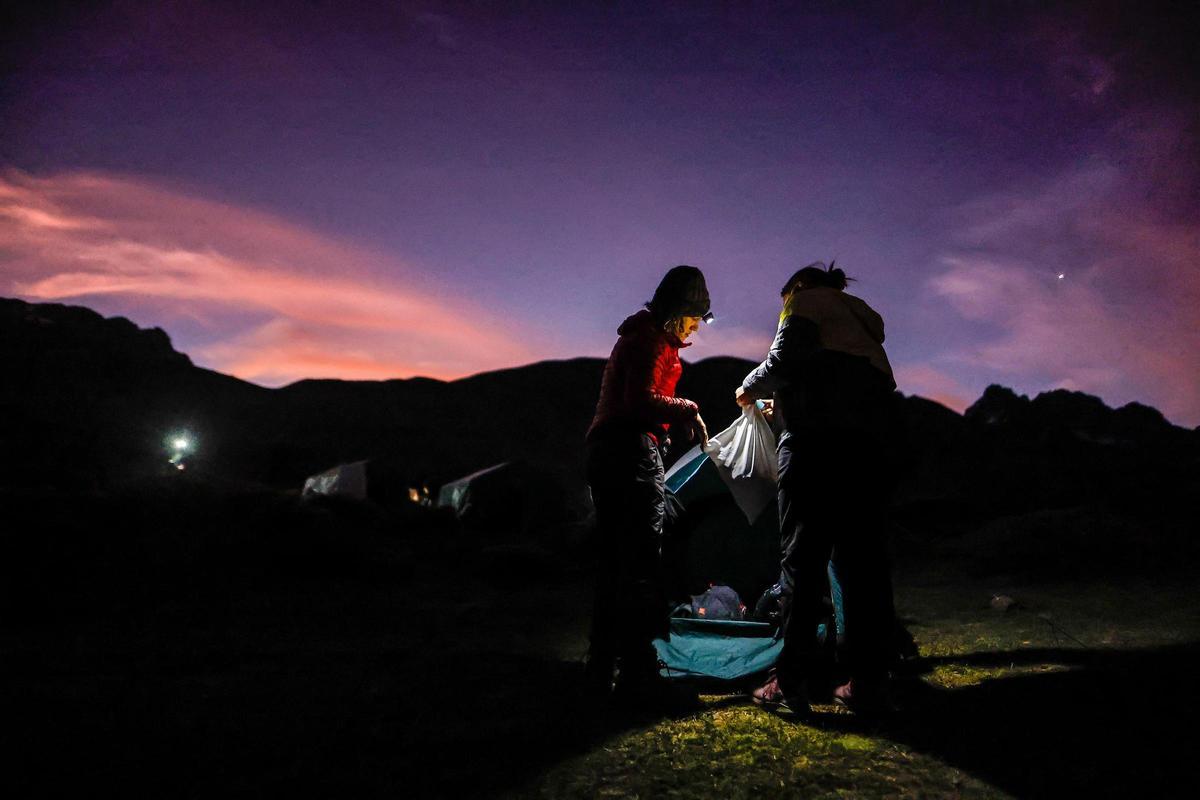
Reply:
x=865, y=698
x=771, y=695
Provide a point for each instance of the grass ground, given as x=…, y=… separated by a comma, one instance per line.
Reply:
x=1066, y=694
x=387, y=663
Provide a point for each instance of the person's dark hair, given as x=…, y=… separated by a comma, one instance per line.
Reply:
x=681, y=293
x=816, y=274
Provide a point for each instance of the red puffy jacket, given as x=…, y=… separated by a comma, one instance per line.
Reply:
x=638, y=389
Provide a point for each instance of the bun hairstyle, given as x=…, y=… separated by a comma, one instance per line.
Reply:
x=816, y=274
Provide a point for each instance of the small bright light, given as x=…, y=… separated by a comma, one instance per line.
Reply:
x=1062, y=275
x=181, y=443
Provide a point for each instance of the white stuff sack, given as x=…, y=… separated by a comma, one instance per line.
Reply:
x=744, y=454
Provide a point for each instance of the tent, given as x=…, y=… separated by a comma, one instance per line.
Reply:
x=510, y=499
x=715, y=544
x=492, y=494
x=713, y=541
x=720, y=546
x=344, y=480
x=380, y=480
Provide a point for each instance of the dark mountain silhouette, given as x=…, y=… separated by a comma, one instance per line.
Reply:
x=88, y=402
x=1065, y=447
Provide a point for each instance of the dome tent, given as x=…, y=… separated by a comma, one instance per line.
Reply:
x=727, y=544
x=514, y=500
x=721, y=546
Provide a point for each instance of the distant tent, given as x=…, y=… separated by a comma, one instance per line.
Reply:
x=380, y=480
x=507, y=499
x=482, y=494
x=344, y=480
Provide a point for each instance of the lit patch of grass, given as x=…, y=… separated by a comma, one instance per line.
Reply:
x=854, y=744
x=960, y=676
x=744, y=752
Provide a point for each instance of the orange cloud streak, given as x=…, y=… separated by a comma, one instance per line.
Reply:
x=292, y=303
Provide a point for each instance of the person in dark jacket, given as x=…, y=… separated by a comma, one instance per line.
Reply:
x=833, y=395
x=636, y=413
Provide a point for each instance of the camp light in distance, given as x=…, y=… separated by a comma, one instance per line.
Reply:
x=180, y=446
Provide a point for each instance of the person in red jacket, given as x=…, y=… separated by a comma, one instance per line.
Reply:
x=635, y=415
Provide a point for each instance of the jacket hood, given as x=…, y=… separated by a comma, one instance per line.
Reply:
x=820, y=301
x=642, y=323
x=866, y=315
x=846, y=323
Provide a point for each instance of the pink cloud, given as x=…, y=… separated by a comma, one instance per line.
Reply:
x=278, y=302
x=1089, y=287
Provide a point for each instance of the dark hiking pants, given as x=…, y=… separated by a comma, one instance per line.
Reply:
x=625, y=473
x=833, y=504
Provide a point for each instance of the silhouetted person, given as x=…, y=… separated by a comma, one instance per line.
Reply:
x=634, y=415
x=833, y=388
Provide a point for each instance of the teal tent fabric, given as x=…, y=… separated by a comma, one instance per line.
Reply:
x=724, y=548
x=686, y=468
x=722, y=649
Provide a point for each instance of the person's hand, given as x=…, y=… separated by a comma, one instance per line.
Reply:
x=768, y=409
x=699, y=430
x=741, y=397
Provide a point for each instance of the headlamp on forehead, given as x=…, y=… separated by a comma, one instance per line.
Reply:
x=708, y=318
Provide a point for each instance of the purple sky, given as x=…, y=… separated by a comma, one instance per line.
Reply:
x=426, y=189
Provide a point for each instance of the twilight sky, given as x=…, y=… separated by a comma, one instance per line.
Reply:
x=431, y=189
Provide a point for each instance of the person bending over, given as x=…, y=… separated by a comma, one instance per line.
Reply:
x=833, y=390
